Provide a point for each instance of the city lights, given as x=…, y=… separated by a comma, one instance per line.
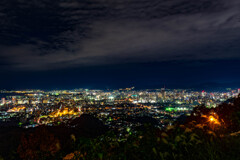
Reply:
x=116, y=108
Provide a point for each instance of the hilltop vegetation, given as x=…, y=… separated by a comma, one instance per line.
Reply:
x=209, y=134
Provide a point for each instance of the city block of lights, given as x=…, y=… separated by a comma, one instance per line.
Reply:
x=122, y=109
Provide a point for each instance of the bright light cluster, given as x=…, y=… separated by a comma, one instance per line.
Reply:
x=16, y=109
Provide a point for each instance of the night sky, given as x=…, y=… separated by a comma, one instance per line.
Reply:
x=67, y=44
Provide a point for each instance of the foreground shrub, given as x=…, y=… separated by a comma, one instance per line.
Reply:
x=38, y=145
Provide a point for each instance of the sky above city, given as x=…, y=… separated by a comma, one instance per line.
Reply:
x=61, y=44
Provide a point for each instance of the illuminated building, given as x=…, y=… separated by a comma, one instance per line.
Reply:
x=45, y=101
x=3, y=101
x=20, y=102
x=13, y=99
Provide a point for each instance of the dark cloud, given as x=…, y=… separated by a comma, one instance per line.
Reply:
x=43, y=35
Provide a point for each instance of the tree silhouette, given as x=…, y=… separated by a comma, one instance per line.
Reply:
x=228, y=114
x=38, y=145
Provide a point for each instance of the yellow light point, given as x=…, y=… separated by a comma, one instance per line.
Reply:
x=213, y=120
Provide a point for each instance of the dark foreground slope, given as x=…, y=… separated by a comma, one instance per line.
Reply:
x=34, y=140
x=211, y=134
